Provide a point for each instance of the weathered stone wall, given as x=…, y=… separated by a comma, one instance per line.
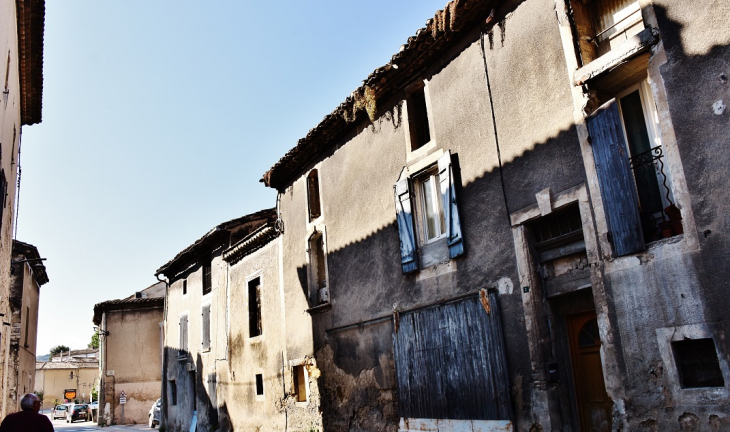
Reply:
x=134, y=354
x=532, y=109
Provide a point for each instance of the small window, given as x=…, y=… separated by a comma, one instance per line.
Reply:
x=299, y=375
x=173, y=392
x=426, y=210
x=185, y=287
x=315, y=209
x=604, y=24
x=206, y=327
x=318, y=271
x=254, y=307
x=418, y=119
x=430, y=208
x=207, y=277
x=259, y=385
x=697, y=363
x=27, y=322
x=558, y=228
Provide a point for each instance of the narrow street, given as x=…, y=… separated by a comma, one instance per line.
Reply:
x=83, y=426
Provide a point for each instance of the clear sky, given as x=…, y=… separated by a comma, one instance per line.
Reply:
x=159, y=119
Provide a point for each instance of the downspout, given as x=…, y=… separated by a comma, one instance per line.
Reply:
x=163, y=385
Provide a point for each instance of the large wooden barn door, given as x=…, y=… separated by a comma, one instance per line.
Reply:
x=450, y=362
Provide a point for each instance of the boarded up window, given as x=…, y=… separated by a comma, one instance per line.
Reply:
x=450, y=363
x=207, y=277
x=206, y=327
x=183, y=335
x=254, y=307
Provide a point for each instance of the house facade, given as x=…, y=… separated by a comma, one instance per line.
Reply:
x=206, y=369
x=130, y=347
x=21, y=48
x=517, y=224
x=67, y=378
x=27, y=275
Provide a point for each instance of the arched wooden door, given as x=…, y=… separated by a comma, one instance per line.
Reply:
x=594, y=404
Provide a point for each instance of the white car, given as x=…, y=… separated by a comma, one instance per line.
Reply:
x=155, y=412
x=59, y=412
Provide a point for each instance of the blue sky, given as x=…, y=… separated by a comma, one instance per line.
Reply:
x=159, y=119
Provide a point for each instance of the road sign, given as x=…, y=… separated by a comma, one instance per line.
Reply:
x=122, y=398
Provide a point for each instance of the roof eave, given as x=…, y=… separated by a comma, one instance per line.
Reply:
x=430, y=42
x=31, y=22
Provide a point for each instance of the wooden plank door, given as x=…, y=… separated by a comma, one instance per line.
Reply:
x=594, y=404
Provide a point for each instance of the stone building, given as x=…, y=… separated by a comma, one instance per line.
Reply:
x=67, y=379
x=517, y=223
x=21, y=88
x=130, y=354
x=204, y=329
x=27, y=275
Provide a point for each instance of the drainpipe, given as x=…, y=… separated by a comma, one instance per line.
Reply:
x=163, y=385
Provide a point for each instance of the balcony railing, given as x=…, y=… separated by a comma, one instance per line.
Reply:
x=659, y=216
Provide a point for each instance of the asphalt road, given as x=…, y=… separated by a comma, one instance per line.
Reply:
x=84, y=426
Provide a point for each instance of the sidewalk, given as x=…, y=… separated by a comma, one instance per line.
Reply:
x=126, y=427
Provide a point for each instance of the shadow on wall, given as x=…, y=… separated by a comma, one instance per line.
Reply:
x=187, y=391
x=371, y=288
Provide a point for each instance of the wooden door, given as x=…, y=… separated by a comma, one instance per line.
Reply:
x=594, y=404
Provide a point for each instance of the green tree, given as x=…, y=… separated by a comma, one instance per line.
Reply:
x=58, y=349
x=94, y=341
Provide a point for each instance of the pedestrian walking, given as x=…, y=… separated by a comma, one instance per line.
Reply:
x=27, y=420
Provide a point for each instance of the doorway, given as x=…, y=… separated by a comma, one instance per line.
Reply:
x=593, y=403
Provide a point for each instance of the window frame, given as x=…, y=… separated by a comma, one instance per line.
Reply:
x=206, y=279
x=310, y=215
x=417, y=181
x=313, y=270
x=173, y=392
x=293, y=365
x=651, y=121
x=258, y=275
x=426, y=147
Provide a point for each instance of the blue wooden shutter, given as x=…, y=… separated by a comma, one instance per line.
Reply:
x=451, y=212
x=405, y=226
x=620, y=202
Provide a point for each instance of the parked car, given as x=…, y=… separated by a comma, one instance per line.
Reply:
x=60, y=411
x=154, y=416
x=76, y=412
x=93, y=411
